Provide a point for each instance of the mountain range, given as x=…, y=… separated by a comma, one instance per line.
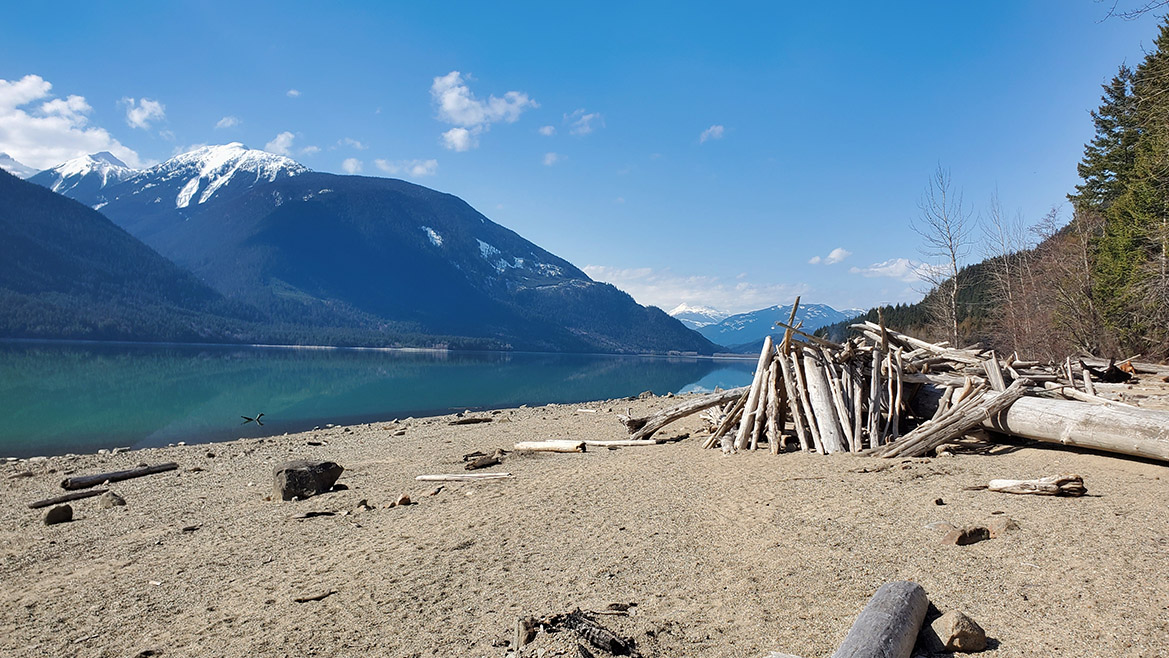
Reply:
x=745, y=331
x=375, y=259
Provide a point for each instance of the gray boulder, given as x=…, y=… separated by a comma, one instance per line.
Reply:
x=301, y=478
x=58, y=514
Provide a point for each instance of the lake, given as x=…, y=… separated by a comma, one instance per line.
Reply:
x=58, y=398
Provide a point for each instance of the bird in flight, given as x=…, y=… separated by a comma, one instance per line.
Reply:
x=256, y=420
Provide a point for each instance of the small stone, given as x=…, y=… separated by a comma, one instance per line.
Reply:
x=957, y=632
x=1000, y=526
x=58, y=514
x=966, y=536
x=645, y=395
x=110, y=500
x=403, y=500
x=103, y=451
x=939, y=501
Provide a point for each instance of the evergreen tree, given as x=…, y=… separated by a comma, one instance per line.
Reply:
x=1108, y=158
x=1131, y=253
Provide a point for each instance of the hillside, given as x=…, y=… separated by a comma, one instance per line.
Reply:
x=65, y=270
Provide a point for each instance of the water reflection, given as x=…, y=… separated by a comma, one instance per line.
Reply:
x=59, y=398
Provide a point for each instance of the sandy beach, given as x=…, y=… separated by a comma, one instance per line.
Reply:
x=723, y=556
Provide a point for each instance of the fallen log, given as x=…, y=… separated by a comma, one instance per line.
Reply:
x=485, y=461
x=664, y=417
x=551, y=446
x=462, y=477
x=1110, y=428
x=86, y=481
x=470, y=420
x=622, y=443
x=1053, y=485
x=889, y=624
x=76, y=495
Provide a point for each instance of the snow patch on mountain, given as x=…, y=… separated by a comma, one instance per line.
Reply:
x=435, y=238
x=486, y=250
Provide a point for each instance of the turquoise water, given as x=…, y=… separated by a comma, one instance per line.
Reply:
x=59, y=398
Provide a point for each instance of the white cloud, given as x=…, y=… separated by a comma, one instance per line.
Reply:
x=351, y=166
x=471, y=116
x=411, y=168
x=310, y=150
x=581, y=122
x=141, y=113
x=664, y=289
x=54, y=131
x=551, y=158
x=459, y=107
x=349, y=141
x=547, y=131
x=228, y=122
x=835, y=256
x=713, y=132
x=901, y=269
x=292, y=93
x=281, y=144
x=460, y=139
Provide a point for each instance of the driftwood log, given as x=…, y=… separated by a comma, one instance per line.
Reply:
x=1067, y=484
x=1123, y=430
x=86, y=481
x=646, y=427
x=889, y=624
x=462, y=477
x=76, y=495
x=551, y=446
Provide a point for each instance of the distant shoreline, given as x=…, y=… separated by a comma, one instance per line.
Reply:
x=352, y=348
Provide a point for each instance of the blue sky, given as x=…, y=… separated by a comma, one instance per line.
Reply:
x=687, y=152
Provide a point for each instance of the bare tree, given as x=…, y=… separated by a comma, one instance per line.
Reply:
x=1005, y=247
x=1141, y=9
x=944, y=223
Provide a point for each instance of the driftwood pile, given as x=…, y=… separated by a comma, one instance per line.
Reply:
x=888, y=394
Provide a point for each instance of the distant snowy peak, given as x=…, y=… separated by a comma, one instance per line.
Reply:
x=12, y=166
x=206, y=170
x=96, y=172
x=751, y=327
x=695, y=317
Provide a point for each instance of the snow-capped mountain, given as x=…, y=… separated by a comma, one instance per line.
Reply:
x=750, y=328
x=12, y=166
x=85, y=178
x=345, y=251
x=186, y=180
x=696, y=317
x=201, y=173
